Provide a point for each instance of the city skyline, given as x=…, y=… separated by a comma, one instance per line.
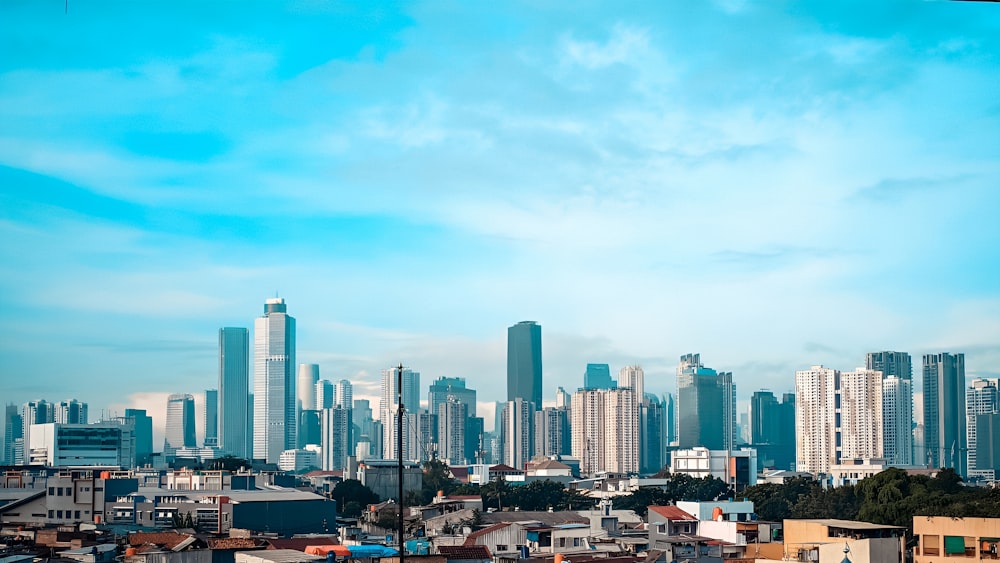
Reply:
x=762, y=185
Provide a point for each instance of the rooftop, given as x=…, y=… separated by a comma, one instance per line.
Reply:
x=671, y=513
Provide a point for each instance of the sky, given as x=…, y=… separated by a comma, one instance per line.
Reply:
x=773, y=185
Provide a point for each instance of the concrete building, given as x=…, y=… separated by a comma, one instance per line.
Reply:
x=234, y=392
x=706, y=406
x=180, y=429
x=738, y=468
x=552, y=432
x=34, y=412
x=633, y=378
x=524, y=363
x=71, y=412
x=382, y=477
x=305, y=390
x=211, y=418
x=274, y=383
x=897, y=420
x=945, y=539
x=451, y=417
x=444, y=388
x=389, y=404
x=106, y=444
x=517, y=432
x=824, y=541
x=980, y=398
x=944, y=411
x=343, y=394
x=337, y=438
x=890, y=363
x=297, y=461
x=606, y=430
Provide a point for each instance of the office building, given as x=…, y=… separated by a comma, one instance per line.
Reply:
x=980, y=399
x=633, y=378
x=445, y=388
x=34, y=412
x=325, y=394
x=474, y=448
x=652, y=434
x=944, y=411
x=563, y=398
x=598, y=376
x=12, y=432
x=389, y=405
x=670, y=411
x=524, y=363
x=838, y=416
x=772, y=429
x=71, y=412
x=552, y=434
x=338, y=437
x=343, y=394
x=274, y=411
x=106, y=443
x=890, y=363
x=420, y=435
x=606, y=430
x=142, y=430
x=517, y=432
x=310, y=428
x=180, y=429
x=211, y=418
x=451, y=419
x=234, y=397
x=987, y=447
x=308, y=377
x=897, y=420
x=706, y=406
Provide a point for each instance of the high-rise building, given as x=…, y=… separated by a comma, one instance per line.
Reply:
x=474, y=449
x=71, y=412
x=142, y=426
x=420, y=435
x=310, y=428
x=518, y=432
x=12, y=432
x=524, y=363
x=234, y=397
x=606, y=430
x=598, y=376
x=670, y=409
x=180, y=430
x=652, y=434
x=34, y=412
x=306, y=386
x=211, y=418
x=275, y=414
x=552, y=435
x=337, y=437
x=633, y=378
x=890, y=363
x=980, y=398
x=444, y=388
x=389, y=404
x=838, y=416
x=944, y=411
x=343, y=394
x=325, y=394
x=451, y=417
x=772, y=429
x=563, y=398
x=706, y=406
x=897, y=419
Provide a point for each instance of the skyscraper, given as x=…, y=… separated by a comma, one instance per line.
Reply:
x=344, y=394
x=71, y=412
x=451, y=417
x=944, y=411
x=306, y=386
x=897, y=419
x=890, y=363
x=652, y=434
x=142, y=425
x=389, y=404
x=234, y=375
x=518, y=432
x=981, y=397
x=12, y=432
x=324, y=395
x=606, y=430
x=444, y=387
x=211, y=418
x=180, y=430
x=338, y=435
x=598, y=376
x=706, y=406
x=34, y=412
x=633, y=378
x=552, y=436
x=274, y=396
x=524, y=363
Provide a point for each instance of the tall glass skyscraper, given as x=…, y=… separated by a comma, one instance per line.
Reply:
x=388, y=407
x=524, y=363
x=598, y=376
x=142, y=425
x=706, y=405
x=274, y=412
x=444, y=387
x=211, y=417
x=180, y=431
x=234, y=376
x=944, y=411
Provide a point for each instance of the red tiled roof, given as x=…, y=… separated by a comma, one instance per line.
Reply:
x=168, y=540
x=503, y=467
x=300, y=544
x=470, y=540
x=465, y=552
x=459, y=472
x=673, y=513
x=231, y=543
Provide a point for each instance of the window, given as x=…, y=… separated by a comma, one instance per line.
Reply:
x=76, y=515
x=501, y=547
x=69, y=491
x=52, y=491
x=59, y=491
x=52, y=514
x=59, y=514
x=562, y=542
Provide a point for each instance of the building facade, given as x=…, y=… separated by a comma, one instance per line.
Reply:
x=234, y=391
x=706, y=406
x=606, y=430
x=517, y=432
x=343, y=394
x=524, y=363
x=389, y=405
x=274, y=395
x=944, y=411
x=980, y=398
x=897, y=420
x=308, y=377
x=180, y=429
x=598, y=376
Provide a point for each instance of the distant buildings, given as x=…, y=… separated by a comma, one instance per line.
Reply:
x=324, y=394
x=944, y=411
x=343, y=393
x=389, y=404
x=706, y=406
x=234, y=373
x=274, y=412
x=598, y=376
x=897, y=420
x=772, y=429
x=106, y=444
x=517, y=432
x=444, y=388
x=180, y=429
x=211, y=418
x=606, y=430
x=71, y=412
x=308, y=377
x=981, y=398
x=524, y=363
x=142, y=426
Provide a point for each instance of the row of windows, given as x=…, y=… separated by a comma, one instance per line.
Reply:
x=74, y=514
x=58, y=491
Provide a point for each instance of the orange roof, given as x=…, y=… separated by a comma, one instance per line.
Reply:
x=471, y=538
x=168, y=540
x=672, y=513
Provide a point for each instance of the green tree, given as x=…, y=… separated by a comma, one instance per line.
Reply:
x=437, y=477
x=351, y=494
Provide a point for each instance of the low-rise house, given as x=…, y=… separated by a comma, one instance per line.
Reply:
x=824, y=541
x=501, y=538
x=951, y=540
x=562, y=538
x=669, y=521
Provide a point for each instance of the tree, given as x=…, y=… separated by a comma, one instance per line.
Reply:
x=351, y=494
x=437, y=477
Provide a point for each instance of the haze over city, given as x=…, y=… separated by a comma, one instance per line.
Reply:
x=771, y=186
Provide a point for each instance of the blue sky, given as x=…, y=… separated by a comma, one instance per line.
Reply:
x=771, y=184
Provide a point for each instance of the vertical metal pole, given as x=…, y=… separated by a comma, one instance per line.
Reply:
x=399, y=455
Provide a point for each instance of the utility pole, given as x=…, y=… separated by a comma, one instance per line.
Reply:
x=399, y=456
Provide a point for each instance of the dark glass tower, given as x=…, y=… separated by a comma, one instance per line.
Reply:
x=706, y=406
x=233, y=397
x=944, y=411
x=598, y=376
x=524, y=363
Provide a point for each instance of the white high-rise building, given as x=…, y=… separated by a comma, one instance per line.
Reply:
x=606, y=430
x=518, y=432
x=897, y=420
x=34, y=412
x=389, y=404
x=838, y=416
x=324, y=395
x=306, y=387
x=234, y=395
x=71, y=412
x=981, y=397
x=180, y=429
x=344, y=394
x=632, y=377
x=274, y=396
x=337, y=431
x=451, y=417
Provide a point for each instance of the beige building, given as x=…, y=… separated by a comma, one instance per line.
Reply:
x=606, y=430
x=824, y=541
x=941, y=539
